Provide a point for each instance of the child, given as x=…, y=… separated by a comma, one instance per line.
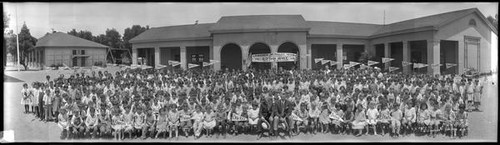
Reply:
x=128, y=120
x=396, y=116
x=173, y=121
x=162, y=123
x=372, y=114
x=140, y=121
x=449, y=120
x=197, y=117
x=253, y=116
x=63, y=123
x=424, y=118
x=47, y=99
x=149, y=127
x=77, y=126
x=185, y=119
x=324, y=120
x=409, y=117
x=25, y=100
x=384, y=118
x=462, y=122
x=209, y=121
x=117, y=124
x=221, y=120
x=104, y=123
x=91, y=123
x=359, y=120
x=313, y=117
x=435, y=121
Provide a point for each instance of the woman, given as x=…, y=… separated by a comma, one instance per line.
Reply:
x=359, y=120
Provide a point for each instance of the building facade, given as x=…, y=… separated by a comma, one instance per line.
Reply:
x=463, y=37
x=63, y=49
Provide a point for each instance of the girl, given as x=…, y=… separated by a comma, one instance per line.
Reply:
x=221, y=118
x=185, y=119
x=162, y=122
x=409, y=117
x=462, y=121
x=25, y=100
x=435, y=121
x=424, y=118
x=384, y=118
x=117, y=124
x=209, y=121
x=449, y=120
x=197, y=117
x=396, y=116
x=104, y=123
x=359, y=120
x=314, y=112
x=372, y=114
x=324, y=120
x=303, y=114
x=140, y=121
x=77, y=126
x=173, y=118
x=63, y=123
x=150, y=125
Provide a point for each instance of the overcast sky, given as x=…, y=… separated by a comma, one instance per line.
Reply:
x=97, y=17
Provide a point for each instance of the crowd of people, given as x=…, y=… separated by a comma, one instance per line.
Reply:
x=149, y=103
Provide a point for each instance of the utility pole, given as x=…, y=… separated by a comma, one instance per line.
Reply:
x=17, y=39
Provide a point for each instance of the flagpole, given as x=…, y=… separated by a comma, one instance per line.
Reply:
x=17, y=41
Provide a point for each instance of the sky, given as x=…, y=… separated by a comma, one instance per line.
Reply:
x=97, y=17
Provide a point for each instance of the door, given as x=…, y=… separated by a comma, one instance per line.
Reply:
x=472, y=53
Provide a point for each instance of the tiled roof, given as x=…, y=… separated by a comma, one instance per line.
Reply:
x=260, y=22
x=174, y=32
x=325, y=28
x=432, y=20
x=60, y=39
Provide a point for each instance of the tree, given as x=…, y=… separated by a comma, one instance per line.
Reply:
x=26, y=42
x=6, y=20
x=73, y=32
x=131, y=33
x=494, y=21
x=101, y=39
x=85, y=35
x=365, y=56
x=113, y=38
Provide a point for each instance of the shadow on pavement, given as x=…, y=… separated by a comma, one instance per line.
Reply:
x=7, y=78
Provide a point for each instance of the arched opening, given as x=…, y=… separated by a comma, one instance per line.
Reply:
x=289, y=47
x=259, y=48
x=230, y=57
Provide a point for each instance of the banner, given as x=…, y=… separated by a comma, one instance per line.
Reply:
x=323, y=62
x=436, y=65
x=276, y=57
x=449, y=65
x=372, y=62
x=335, y=117
x=352, y=63
x=347, y=66
x=160, y=66
x=174, y=63
x=363, y=66
x=419, y=65
x=316, y=60
x=404, y=63
x=393, y=68
x=236, y=117
x=207, y=64
x=190, y=65
x=332, y=63
x=386, y=59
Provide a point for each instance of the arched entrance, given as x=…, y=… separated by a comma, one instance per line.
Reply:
x=289, y=47
x=230, y=57
x=259, y=48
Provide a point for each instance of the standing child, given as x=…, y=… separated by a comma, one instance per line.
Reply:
x=25, y=97
x=63, y=123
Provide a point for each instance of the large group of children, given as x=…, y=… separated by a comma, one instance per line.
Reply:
x=149, y=103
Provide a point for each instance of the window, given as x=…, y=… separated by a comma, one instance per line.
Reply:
x=74, y=52
x=200, y=57
x=472, y=22
x=82, y=52
x=193, y=57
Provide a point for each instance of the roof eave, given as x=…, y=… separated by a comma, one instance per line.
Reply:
x=171, y=39
x=488, y=23
x=412, y=30
x=260, y=30
x=336, y=36
x=72, y=46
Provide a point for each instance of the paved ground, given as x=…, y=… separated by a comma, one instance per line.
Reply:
x=483, y=125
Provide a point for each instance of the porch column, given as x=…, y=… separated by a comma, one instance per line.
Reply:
x=183, y=58
x=303, y=56
x=309, y=58
x=244, y=57
x=274, y=49
x=157, y=56
x=340, y=55
x=433, y=52
x=406, y=56
x=387, y=53
x=216, y=57
x=134, y=56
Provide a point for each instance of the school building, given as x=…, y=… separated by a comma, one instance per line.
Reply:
x=59, y=48
x=463, y=37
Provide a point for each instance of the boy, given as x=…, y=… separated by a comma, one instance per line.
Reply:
x=91, y=123
x=372, y=114
x=396, y=116
x=63, y=123
x=173, y=118
x=209, y=121
x=409, y=117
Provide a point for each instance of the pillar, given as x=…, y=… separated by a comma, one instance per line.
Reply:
x=303, y=56
x=244, y=57
x=157, y=56
x=461, y=57
x=216, y=52
x=406, y=56
x=274, y=49
x=183, y=58
x=433, y=56
x=134, y=56
x=340, y=55
x=387, y=53
x=309, y=58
